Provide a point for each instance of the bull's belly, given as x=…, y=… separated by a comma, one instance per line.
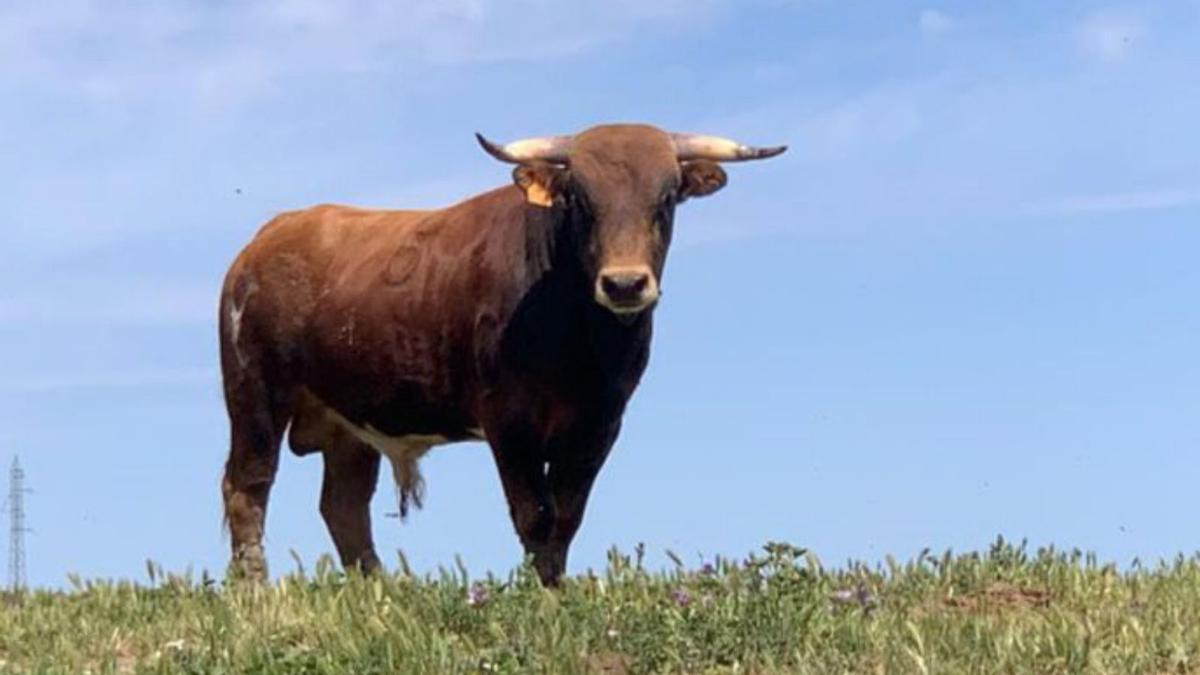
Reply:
x=317, y=426
x=404, y=454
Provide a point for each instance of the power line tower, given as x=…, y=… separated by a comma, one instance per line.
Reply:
x=17, y=529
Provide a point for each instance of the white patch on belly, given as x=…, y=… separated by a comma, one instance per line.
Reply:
x=403, y=452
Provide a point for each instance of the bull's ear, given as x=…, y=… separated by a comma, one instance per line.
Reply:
x=541, y=182
x=701, y=177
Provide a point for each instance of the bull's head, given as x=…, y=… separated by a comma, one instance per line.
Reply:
x=618, y=186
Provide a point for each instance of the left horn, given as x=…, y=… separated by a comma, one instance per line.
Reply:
x=699, y=146
x=553, y=149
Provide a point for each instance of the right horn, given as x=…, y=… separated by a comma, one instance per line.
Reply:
x=553, y=149
x=700, y=146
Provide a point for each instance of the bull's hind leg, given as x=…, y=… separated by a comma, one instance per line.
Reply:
x=249, y=473
x=257, y=417
x=351, y=474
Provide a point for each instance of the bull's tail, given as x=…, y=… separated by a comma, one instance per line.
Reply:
x=410, y=486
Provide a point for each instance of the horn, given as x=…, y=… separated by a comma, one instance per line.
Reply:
x=700, y=146
x=551, y=149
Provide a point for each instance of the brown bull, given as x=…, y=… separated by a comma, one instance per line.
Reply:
x=521, y=317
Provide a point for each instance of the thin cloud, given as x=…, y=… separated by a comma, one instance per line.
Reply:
x=1122, y=201
x=880, y=116
x=934, y=23
x=1110, y=34
x=220, y=55
x=115, y=379
x=136, y=301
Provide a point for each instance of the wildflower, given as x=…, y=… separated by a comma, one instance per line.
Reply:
x=681, y=597
x=477, y=595
x=842, y=595
x=859, y=594
x=708, y=570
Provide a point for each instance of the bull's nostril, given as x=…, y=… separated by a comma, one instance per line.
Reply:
x=625, y=288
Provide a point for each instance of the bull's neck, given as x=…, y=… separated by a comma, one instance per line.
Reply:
x=552, y=251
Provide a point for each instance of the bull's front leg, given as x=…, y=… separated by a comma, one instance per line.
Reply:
x=547, y=489
x=522, y=466
x=575, y=461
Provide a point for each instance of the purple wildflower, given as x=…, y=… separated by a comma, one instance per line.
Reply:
x=708, y=570
x=681, y=597
x=842, y=595
x=860, y=594
x=477, y=595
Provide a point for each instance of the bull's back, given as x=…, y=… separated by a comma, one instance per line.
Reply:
x=274, y=286
x=383, y=315
x=397, y=336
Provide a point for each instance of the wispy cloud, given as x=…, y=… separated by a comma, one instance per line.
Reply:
x=114, y=379
x=220, y=54
x=934, y=23
x=988, y=137
x=118, y=300
x=1144, y=200
x=1110, y=34
x=433, y=193
x=879, y=116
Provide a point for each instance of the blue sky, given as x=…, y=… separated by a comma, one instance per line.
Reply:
x=964, y=304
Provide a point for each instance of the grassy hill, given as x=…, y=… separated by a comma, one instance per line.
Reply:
x=1003, y=611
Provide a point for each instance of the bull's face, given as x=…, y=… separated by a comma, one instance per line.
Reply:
x=617, y=187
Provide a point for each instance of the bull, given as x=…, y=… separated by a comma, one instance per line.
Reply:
x=520, y=317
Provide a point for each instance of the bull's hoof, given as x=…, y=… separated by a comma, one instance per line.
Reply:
x=365, y=564
x=550, y=565
x=249, y=563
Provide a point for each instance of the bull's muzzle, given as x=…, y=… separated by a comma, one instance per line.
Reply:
x=626, y=290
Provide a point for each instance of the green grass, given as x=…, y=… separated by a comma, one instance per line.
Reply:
x=1003, y=611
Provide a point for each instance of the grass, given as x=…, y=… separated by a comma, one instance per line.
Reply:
x=1006, y=610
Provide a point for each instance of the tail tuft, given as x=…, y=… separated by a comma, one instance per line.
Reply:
x=410, y=486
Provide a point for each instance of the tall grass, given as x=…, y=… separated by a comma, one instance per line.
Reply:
x=1002, y=611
